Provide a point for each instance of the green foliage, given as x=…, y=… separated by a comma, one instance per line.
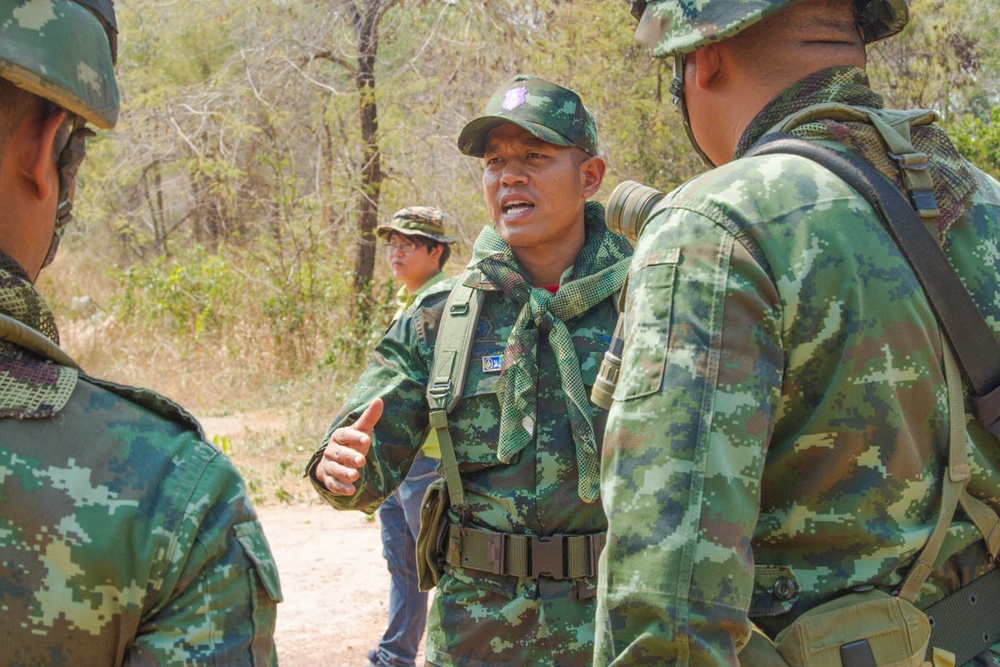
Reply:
x=978, y=139
x=227, y=199
x=189, y=292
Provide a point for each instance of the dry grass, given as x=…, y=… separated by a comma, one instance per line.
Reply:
x=266, y=402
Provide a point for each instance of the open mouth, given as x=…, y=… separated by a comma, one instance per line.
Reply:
x=517, y=206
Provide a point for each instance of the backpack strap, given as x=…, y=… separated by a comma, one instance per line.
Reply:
x=976, y=347
x=970, y=345
x=447, y=376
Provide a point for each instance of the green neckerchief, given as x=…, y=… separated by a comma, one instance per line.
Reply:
x=602, y=265
x=954, y=183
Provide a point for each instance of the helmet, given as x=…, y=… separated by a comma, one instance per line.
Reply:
x=675, y=27
x=63, y=51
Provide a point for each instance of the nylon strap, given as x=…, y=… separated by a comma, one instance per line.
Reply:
x=976, y=347
x=955, y=478
x=447, y=376
x=556, y=556
x=965, y=622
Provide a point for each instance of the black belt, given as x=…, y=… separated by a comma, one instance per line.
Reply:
x=555, y=556
x=967, y=622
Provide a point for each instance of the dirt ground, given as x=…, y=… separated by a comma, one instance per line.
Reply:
x=335, y=584
x=333, y=577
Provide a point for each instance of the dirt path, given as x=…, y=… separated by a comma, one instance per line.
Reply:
x=334, y=581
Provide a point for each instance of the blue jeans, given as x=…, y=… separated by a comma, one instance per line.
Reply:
x=400, y=517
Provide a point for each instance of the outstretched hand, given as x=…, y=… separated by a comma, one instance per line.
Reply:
x=345, y=454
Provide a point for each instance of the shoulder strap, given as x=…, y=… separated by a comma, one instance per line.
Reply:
x=974, y=343
x=448, y=370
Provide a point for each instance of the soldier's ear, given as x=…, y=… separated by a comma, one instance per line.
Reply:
x=707, y=64
x=34, y=143
x=592, y=175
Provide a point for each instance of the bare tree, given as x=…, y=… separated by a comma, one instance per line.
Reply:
x=364, y=17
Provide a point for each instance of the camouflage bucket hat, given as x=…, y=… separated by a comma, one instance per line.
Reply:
x=62, y=51
x=417, y=221
x=552, y=113
x=675, y=27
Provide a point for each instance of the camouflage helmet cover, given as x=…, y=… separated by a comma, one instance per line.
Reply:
x=62, y=51
x=425, y=221
x=675, y=27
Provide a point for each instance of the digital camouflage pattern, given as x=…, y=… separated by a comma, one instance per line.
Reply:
x=124, y=536
x=59, y=50
x=782, y=408
x=479, y=618
x=550, y=112
x=674, y=27
x=417, y=221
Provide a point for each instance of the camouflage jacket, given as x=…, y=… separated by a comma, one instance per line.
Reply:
x=782, y=402
x=126, y=538
x=480, y=618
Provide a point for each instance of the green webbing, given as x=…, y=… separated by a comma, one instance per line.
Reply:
x=557, y=556
x=894, y=128
x=447, y=376
x=956, y=476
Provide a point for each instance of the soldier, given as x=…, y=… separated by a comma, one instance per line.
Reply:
x=126, y=538
x=518, y=583
x=417, y=249
x=780, y=428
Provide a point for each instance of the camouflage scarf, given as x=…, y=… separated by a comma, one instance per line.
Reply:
x=954, y=183
x=29, y=387
x=19, y=299
x=602, y=264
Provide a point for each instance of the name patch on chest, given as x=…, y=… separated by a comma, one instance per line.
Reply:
x=492, y=363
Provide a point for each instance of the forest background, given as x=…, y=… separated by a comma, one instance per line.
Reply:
x=222, y=251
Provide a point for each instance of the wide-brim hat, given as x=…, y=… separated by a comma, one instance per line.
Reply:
x=554, y=114
x=417, y=221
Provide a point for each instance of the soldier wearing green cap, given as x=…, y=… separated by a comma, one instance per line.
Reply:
x=124, y=536
x=518, y=579
x=780, y=432
x=416, y=248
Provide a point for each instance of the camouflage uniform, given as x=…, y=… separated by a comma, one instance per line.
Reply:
x=782, y=403
x=478, y=618
x=126, y=537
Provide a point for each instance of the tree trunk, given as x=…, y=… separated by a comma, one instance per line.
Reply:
x=366, y=27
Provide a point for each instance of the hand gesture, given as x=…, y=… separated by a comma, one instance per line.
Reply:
x=345, y=454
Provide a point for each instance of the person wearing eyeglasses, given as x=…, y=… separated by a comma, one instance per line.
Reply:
x=516, y=553
x=416, y=249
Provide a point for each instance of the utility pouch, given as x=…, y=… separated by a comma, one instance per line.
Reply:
x=433, y=528
x=862, y=629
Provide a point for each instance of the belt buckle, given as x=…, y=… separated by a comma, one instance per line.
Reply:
x=548, y=557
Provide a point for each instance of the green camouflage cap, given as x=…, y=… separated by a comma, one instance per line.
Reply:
x=417, y=221
x=552, y=113
x=61, y=50
x=674, y=27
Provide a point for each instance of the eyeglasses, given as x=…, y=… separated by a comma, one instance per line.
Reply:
x=404, y=248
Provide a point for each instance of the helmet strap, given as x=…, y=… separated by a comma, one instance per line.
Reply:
x=68, y=164
x=677, y=97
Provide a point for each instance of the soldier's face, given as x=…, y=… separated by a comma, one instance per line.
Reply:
x=535, y=191
x=411, y=263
